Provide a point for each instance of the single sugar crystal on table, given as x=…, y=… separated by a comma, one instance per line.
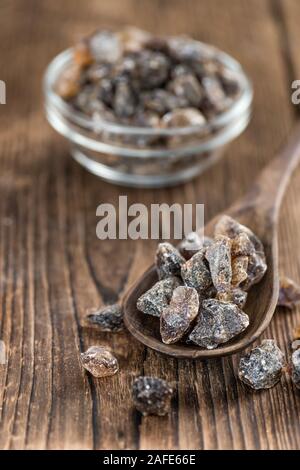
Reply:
x=176, y=319
x=295, y=368
x=262, y=367
x=218, y=322
x=158, y=297
x=152, y=396
x=168, y=260
x=193, y=243
x=195, y=272
x=108, y=318
x=218, y=256
x=99, y=362
x=289, y=293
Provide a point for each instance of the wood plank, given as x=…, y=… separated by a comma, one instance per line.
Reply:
x=53, y=268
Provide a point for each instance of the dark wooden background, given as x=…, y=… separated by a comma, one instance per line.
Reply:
x=52, y=266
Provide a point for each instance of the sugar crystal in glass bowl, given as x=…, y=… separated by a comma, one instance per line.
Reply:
x=140, y=155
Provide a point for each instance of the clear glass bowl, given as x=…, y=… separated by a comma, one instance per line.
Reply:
x=141, y=156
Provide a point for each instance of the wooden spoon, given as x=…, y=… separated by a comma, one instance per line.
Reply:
x=258, y=210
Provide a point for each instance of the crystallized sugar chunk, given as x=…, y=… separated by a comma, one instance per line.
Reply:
x=239, y=270
x=257, y=267
x=231, y=228
x=262, y=367
x=235, y=295
x=195, y=272
x=193, y=243
x=289, y=293
x=152, y=396
x=176, y=319
x=168, y=260
x=244, y=243
x=218, y=256
x=158, y=297
x=99, y=362
x=296, y=368
x=108, y=318
x=218, y=323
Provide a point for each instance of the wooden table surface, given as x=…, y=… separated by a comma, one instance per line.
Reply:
x=52, y=266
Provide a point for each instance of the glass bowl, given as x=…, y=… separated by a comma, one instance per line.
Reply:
x=144, y=156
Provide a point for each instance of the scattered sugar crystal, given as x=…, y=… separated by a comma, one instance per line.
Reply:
x=108, y=318
x=262, y=367
x=289, y=293
x=296, y=368
x=99, y=362
x=152, y=396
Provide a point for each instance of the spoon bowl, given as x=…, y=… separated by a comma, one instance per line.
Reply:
x=145, y=328
x=258, y=210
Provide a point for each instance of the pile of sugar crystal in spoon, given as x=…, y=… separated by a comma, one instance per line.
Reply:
x=203, y=285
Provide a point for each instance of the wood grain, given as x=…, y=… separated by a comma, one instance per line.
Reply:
x=52, y=267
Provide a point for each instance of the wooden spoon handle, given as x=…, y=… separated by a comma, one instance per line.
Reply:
x=266, y=194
